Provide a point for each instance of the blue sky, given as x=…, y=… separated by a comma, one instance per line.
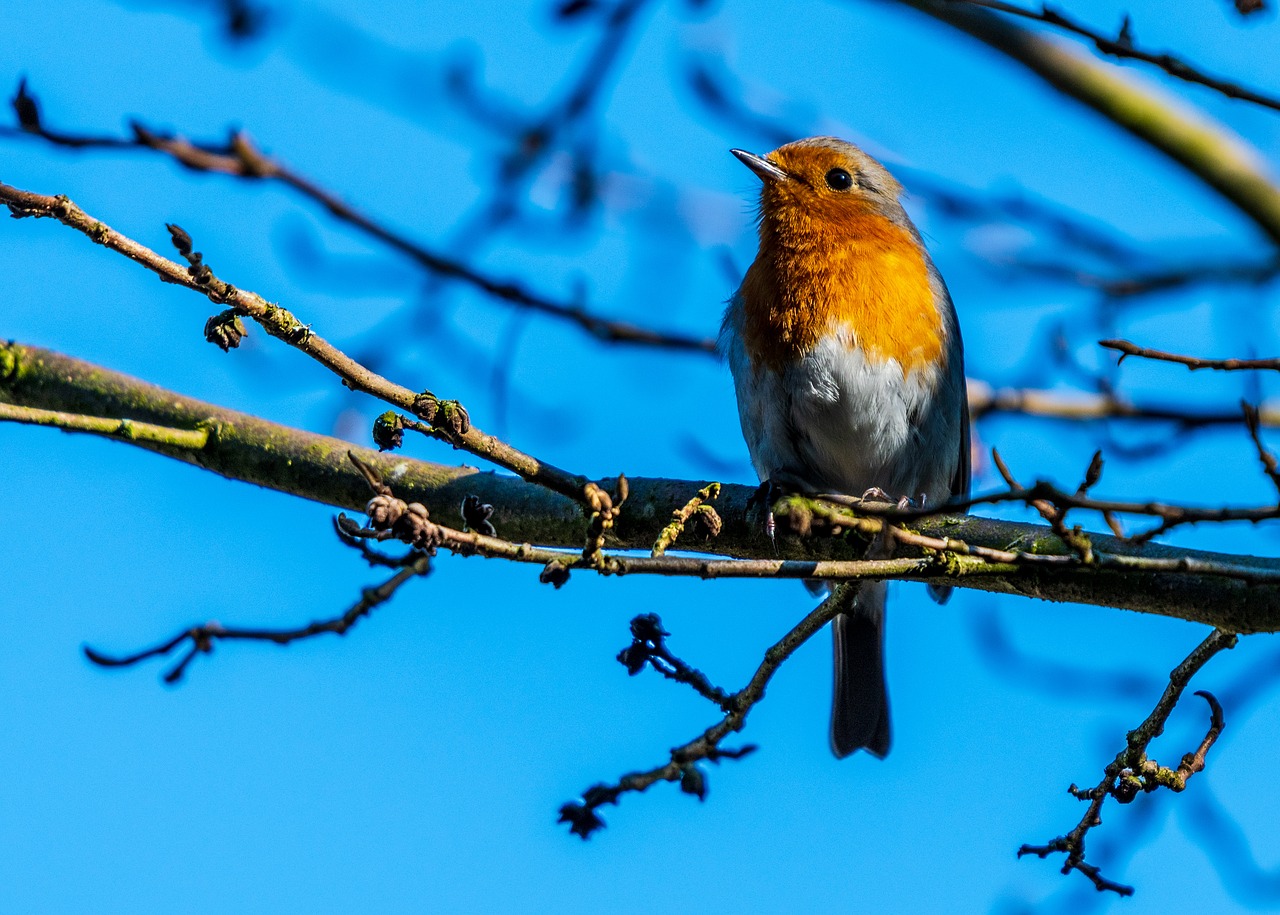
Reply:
x=417, y=764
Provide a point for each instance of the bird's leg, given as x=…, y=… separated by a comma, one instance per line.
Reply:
x=766, y=494
x=778, y=484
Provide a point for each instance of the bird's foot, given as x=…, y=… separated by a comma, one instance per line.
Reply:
x=765, y=495
x=876, y=494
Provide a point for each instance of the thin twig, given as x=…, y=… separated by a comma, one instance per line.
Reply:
x=446, y=420
x=126, y=429
x=1268, y=459
x=1122, y=47
x=649, y=647
x=1126, y=349
x=694, y=508
x=1133, y=772
x=1051, y=502
x=240, y=158
x=582, y=815
x=202, y=638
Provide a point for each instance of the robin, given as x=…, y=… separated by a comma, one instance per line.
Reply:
x=849, y=369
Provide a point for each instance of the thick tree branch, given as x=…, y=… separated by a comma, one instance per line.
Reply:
x=1236, y=593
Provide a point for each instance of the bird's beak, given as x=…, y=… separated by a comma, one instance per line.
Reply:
x=764, y=169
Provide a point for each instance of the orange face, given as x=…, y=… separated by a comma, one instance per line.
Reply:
x=837, y=257
x=826, y=182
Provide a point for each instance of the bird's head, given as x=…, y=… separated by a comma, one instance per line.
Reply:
x=823, y=184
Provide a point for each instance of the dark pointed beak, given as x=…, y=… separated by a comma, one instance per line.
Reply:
x=764, y=169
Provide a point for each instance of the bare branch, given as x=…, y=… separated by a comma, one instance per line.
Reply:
x=1266, y=457
x=649, y=647
x=240, y=158
x=682, y=766
x=1122, y=47
x=1247, y=273
x=984, y=401
x=1052, y=503
x=126, y=429
x=1133, y=772
x=1126, y=349
x=1207, y=150
x=1236, y=592
x=445, y=420
x=201, y=639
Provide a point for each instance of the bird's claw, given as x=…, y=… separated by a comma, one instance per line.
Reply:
x=875, y=493
x=766, y=494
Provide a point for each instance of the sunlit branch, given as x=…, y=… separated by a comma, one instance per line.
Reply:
x=442, y=419
x=1122, y=47
x=1206, y=149
x=1236, y=592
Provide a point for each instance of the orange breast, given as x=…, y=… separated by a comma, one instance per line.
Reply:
x=856, y=274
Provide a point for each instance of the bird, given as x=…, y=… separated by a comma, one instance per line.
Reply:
x=848, y=366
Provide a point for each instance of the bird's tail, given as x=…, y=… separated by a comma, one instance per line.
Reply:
x=860, y=704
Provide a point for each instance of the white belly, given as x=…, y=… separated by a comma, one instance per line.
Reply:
x=834, y=422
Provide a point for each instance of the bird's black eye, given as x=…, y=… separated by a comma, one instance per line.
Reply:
x=839, y=180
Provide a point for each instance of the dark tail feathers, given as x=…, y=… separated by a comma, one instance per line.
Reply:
x=860, y=704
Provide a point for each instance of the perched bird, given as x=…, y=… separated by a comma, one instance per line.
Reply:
x=849, y=370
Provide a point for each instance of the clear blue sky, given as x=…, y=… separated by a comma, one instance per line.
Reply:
x=417, y=765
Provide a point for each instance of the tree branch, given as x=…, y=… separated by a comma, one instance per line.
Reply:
x=1122, y=47
x=202, y=638
x=445, y=420
x=985, y=400
x=1126, y=349
x=683, y=763
x=125, y=429
x=448, y=420
x=1237, y=593
x=1132, y=772
x=240, y=158
x=1205, y=149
